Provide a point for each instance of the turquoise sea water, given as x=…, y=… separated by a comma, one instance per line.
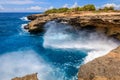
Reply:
x=22, y=53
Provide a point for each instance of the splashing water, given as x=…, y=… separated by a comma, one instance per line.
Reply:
x=61, y=36
x=24, y=18
x=27, y=55
x=25, y=62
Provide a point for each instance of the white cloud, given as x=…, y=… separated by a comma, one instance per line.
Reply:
x=75, y=5
x=51, y=7
x=36, y=8
x=21, y=2
x=109, y=5
x=1, y=7
x=65, y=6
x=23, y=9
x=112, y=4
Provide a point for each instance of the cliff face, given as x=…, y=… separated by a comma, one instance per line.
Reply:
x=103, y=68
x=27, y=77
x=107, y=23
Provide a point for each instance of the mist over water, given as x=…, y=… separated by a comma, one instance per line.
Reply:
x=24, y=18
x=62, y=36
x=21, y=63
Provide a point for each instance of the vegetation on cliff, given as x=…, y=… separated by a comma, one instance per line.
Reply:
x=88, y=7
x=111, y=8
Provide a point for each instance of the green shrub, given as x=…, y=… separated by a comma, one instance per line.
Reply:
x=108, y=8
x=60, y=10
x=111, y=8
x=89, y=7
x=76, y=9
x=54, y=10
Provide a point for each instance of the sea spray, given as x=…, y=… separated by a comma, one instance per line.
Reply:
x=22, y=27
x=24, y=18
x=59, y=35
x=23, y=31
x=21, y=63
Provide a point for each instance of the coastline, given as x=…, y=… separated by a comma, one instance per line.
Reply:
x=105, y=23
x=102, y=68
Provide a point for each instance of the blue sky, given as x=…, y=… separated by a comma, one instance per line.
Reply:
x=42, y=5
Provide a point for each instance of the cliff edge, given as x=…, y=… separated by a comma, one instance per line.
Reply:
x=105, y=22
x=103, y=68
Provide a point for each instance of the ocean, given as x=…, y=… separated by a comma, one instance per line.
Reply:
x=55, y=55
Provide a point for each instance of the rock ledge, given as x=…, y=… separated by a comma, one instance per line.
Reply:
x=103, y=68
x=107, y=23
x=27, y=77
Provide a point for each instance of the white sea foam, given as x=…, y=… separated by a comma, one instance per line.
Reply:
x=57, y=36
x=21, y=63
x=23, y=31
x=22, y=27
x=24, y=18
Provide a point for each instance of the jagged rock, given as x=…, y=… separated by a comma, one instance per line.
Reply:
x=107, y=23
x=26, y=27
x=27, y=77
x=103, y=68
x=33, y=17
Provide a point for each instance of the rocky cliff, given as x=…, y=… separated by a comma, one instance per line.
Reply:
x=107, y=23
x=103, y=68
x=27, y=77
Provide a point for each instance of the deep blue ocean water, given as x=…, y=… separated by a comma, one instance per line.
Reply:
x=16, y=44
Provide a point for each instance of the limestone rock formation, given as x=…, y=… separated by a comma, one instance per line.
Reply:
x=107, y=23
x=33, y=17
x=27, y=77
x=103, y=68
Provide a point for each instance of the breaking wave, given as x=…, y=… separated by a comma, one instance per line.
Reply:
x=22, y=27
x=23, y=31
x=24, y=18
x=62, y=36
